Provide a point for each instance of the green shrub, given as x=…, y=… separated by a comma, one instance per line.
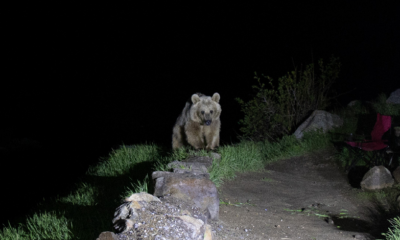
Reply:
x=350, y=116
x=394, y=232
x=274, y=111
x=380, y=106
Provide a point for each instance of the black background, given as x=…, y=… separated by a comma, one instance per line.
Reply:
x=80, y=80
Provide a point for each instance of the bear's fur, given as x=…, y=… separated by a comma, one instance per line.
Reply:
x=199, y=123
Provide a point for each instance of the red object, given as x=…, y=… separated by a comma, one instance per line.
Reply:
x=382, y=125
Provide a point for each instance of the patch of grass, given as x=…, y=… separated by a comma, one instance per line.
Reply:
x=85, y=195
x=252, y=156
x=121, y=160
x=11, y=233
x=372, y=195
x=381, y=106
x=87, y=210
x=289, y=146
x=347, y=155
x=40, y=226
x=385, y=209
x=241, y=157
x=139, y=186
x=394, y=231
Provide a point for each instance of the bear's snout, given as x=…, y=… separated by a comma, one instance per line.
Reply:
x=208, y=122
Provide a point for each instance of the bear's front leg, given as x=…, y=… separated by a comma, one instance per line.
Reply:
x=194, y=135
x=212, y=135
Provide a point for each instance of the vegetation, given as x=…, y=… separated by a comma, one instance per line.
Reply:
x=274, y=111
x=87, y=211
x=269, y=118
x=393, y=232
x=380, y=106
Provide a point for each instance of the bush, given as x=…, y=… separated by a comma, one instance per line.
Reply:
x=275, y=111
x=380, y=106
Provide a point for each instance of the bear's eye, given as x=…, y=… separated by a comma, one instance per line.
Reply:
x=202, y=112
x=211, y=111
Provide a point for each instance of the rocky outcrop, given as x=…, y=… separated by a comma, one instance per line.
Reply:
x=190, y=181
x=394, y=97
x=319, y=119
x=144, y=216
x=183, y=202
x=377, y=178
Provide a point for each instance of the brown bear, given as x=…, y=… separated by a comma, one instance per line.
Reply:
x=199, y=123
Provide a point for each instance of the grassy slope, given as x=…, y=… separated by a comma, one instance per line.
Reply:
x=88, y=210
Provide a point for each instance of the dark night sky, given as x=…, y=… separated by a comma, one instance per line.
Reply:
x=80, y=80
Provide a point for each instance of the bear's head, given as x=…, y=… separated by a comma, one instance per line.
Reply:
x=205, y=109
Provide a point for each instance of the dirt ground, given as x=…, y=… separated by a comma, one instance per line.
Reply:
x=307, y=197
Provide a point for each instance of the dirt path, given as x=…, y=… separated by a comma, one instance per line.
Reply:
x=298, y=198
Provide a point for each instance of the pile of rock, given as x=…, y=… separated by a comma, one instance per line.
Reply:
x=184, y=201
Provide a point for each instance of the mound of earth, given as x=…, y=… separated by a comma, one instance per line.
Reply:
x=307, y=197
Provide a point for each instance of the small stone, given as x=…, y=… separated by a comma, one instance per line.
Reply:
x=107, y=236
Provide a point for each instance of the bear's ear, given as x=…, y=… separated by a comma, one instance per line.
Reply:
x=216, y=97
x=195, y=98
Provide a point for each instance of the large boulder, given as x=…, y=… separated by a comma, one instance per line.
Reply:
x=319, y=119
x=394, y=97
x=377, y=178
x=197, y=188
x=143, y=216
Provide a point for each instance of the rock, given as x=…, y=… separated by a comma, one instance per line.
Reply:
x=319, y=119
x=107, y=236
x=353, y=103
x=187, y=186
x=394, y=97
x=376, y=178
x=168, y=218
x=396, y=174
x=126, y=213
x=194, y=165
x=140, y=197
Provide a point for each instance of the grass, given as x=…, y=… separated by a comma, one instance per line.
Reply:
x=87, y=211
x=394, y=231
